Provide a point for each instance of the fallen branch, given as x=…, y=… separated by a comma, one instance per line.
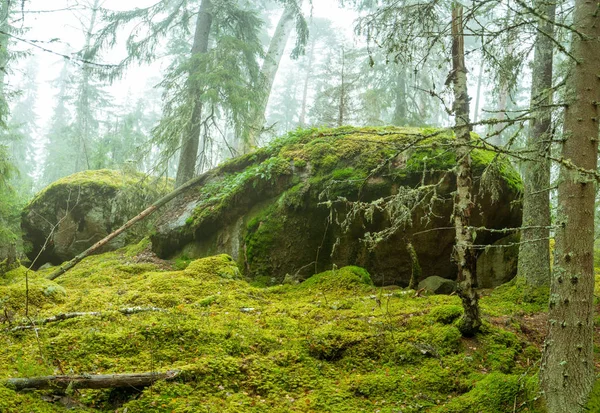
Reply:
x=142, y=215
x=100, y=381
x=67, y=316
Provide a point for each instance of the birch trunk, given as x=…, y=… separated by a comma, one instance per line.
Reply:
x=267, y=76
x=534, y=251
x=567, y=369
x=463, y=204
x=186, y=168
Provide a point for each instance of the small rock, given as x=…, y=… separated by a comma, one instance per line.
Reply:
x=438, y=285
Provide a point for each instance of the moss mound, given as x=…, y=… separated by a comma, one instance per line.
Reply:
x=71, y=214
x=333, y=343
x=292, y=208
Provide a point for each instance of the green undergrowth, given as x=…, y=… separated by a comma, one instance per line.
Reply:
x=333, y=343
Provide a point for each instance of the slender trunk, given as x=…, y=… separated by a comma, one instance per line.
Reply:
x=503, y=93
x=342, y=101
x=463, y=204
x=267, y=76
x=567, y=370
x=401, y=104
x=478, y=93
x=311, y=56
x=534, y=251
x=186, y=168
x=83, y=100
x=4, y=57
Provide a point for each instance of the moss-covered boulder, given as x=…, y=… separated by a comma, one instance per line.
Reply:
x=73, y=213
x=305, y=203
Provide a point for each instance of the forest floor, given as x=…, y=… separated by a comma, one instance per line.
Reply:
x=334, y=343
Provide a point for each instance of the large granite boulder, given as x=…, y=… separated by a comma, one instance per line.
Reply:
x=73, y=213
x=303, y=204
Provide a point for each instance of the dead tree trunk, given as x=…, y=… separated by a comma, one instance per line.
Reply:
x=463, y=204
x=100, y=381
x=142, y=215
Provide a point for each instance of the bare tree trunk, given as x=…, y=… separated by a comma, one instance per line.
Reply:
x=463, y=204
x=191, y=137
x=142, y=215
x=100, y=381
x=83, y=105
x=342, y=101
x=567, y=370
x=311, y=57
x=400, y=101
x=478, y=93
x=267, y=75
x=534, y=251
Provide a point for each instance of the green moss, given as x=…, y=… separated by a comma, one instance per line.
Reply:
x=42, y=293
x=446, y=314
x=348, y=277
x=220, y=266
x=516, y=297
x=494, y=393
x=332, y=343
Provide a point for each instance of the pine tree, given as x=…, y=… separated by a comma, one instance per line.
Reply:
x=534, y=251
x=567, y=370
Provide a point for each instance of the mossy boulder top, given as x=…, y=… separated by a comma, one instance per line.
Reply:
x=346, y=196
x=71, y=214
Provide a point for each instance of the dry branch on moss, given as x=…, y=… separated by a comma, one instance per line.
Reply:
x=67, y=316
x=99, y=381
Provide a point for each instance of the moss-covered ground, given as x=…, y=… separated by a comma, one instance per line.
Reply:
x=334, y=343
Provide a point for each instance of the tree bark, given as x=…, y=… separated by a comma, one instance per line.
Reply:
x=267, y=76
x=463, y=204
x=186, y=168
x=342, y=100
x=478, y=92
x=534, y=250
x=311, y=57
x=142, y=215
x=567, y=369
x=100, y=381
x=83, y=107
x=400, y=101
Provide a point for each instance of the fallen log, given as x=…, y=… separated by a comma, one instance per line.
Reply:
x=99, y=381
x=144, y=214
x=67, y=316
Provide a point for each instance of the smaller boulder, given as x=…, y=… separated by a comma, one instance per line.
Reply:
x=73, y=213
x=498, y=263
x=438, y=285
